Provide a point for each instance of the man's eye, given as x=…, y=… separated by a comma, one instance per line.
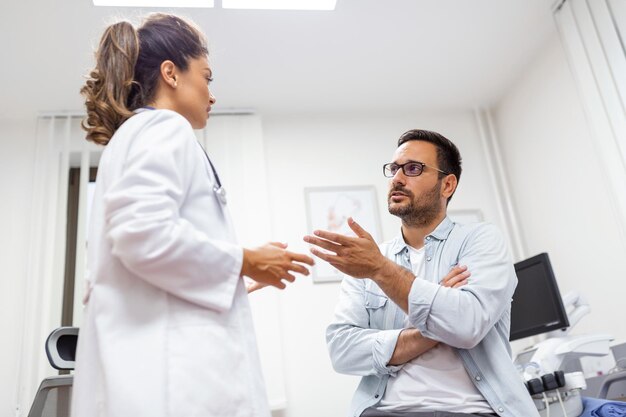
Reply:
x=413, y=168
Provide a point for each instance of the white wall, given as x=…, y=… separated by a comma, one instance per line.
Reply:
x=304, y=151
x=561, y=196
x=17, y=152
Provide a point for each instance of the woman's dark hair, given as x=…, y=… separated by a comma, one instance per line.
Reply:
x=128, y=65
x=448, y=155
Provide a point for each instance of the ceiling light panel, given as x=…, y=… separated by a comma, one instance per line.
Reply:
x=280, y=4
x=155, y=3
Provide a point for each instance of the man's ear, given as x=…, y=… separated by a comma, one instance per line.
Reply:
x=169, y=73
x=449, y=185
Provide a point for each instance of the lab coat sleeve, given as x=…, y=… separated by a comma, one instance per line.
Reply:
x=144, y=223
x=462, y=317
x=354, y=348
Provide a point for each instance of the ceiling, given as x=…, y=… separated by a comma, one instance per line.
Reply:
x=366, y=56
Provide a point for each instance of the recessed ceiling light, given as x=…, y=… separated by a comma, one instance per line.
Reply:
x=154, y=3
x=280, y=4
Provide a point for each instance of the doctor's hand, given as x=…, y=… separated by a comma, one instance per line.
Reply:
x=254, y=286
x=357, y=256
x=271, y=263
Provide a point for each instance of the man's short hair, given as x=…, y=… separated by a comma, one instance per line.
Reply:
x=448, y=155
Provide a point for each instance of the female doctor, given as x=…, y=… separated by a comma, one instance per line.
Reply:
x=168, y=329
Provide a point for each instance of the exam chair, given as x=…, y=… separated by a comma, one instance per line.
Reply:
x=54, y=395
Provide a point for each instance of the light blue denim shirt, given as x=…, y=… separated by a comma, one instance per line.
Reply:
x=474, y=318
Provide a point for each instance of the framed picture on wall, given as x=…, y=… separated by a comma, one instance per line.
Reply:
x=328, y=208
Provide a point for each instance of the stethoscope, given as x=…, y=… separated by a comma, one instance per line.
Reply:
x=218, y=189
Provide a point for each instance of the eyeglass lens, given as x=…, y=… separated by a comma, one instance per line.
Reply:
x=411, y=169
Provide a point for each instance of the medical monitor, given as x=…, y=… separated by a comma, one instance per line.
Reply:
x=537, y=306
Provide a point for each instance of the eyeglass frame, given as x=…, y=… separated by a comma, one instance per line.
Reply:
x=401, y=166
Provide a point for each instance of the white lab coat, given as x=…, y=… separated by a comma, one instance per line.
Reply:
x=167, y=328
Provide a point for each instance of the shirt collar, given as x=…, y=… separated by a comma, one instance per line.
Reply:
x=143, y=109
x=441, y=232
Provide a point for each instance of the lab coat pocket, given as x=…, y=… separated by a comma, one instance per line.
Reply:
x=375, y=305
x=206, y=371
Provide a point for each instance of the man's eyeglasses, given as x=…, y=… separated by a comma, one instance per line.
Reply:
x=410, y=169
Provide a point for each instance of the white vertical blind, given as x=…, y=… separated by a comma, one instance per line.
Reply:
x=590, y=32
x=58, y=138
x=81, y=237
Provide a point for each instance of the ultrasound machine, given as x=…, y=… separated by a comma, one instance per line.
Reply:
x=538, y=309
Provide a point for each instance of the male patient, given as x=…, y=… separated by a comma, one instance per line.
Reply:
x=425, y=317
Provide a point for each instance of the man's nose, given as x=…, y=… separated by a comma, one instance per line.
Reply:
x=399, y=177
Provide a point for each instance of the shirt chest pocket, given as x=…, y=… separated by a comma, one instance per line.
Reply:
x=375, y=304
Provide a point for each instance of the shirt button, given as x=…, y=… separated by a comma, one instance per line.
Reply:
x=478, y=378
x=501, y=409
x=428, y=259
x=427, y=237
x=376, y=396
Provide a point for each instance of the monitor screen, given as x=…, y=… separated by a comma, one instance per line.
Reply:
x=537, y=306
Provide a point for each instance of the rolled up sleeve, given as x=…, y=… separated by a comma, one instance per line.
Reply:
x=354, y=348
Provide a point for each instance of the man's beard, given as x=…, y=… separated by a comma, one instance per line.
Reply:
x=419, y=212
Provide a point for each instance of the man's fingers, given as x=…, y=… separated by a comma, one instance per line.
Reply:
x=302, y=258
x=461, y=277
x=356, y=228
x=323, y=255
x=460, y=284
x=333, y=237
x=456, y=270
x=457, y=279
x=322, y=243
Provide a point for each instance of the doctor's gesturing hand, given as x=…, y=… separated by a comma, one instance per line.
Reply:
x=271, y=263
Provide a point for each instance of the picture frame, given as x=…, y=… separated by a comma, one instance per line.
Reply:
x=328, y=208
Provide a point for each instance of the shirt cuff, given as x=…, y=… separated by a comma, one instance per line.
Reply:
x=382, y=351
x=421, y=297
